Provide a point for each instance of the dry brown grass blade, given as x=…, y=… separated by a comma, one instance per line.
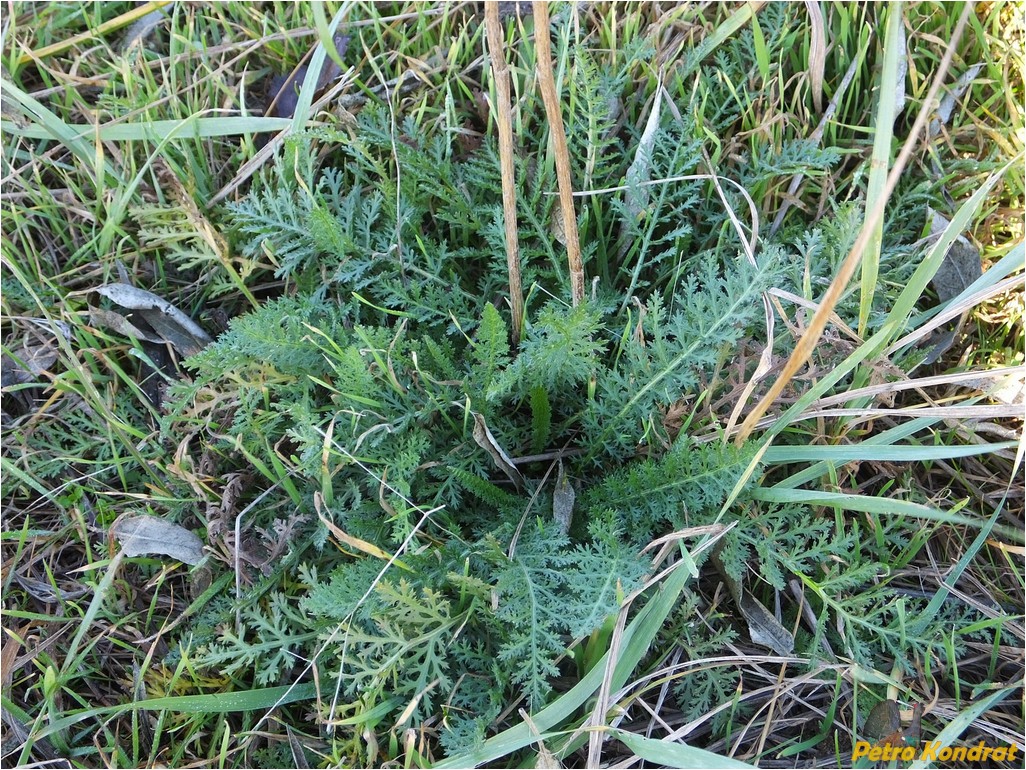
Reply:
x=547, y=83
x=873, y=217
x=500, y=71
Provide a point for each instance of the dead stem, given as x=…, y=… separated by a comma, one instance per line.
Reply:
x=509, y=195
x=547, y=83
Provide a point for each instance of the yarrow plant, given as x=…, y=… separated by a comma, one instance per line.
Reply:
x=440, y=534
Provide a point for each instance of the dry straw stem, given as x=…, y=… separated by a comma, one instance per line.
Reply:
x=547, y=83
x=500, y=72
x=874, y=216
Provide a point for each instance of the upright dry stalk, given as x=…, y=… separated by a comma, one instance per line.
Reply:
x=500, y=72
x=547, y=83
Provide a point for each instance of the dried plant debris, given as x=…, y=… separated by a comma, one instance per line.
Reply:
x=149, y=318
x=283, y=90
x=25, y=366
x=151, y=535
x=961, y=266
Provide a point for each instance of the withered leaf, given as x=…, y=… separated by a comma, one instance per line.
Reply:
x=487, y=442
x=150, y=535
x=165, y=321
x=563, y=501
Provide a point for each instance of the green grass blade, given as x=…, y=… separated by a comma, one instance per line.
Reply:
x=671, y=754
x=844, y=454
x=49, y=126
x=882, y=505
x=881, y=158
x=897, y=433
x=325, y=33
x=215, y=703
x=720, y=35
x=194, y=127
x=952, y=577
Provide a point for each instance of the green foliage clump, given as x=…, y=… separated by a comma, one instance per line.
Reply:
x=362, y=365
x=383, y=392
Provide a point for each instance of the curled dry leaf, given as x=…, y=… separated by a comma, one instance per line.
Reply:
x=152, y=319
x=150, y=535
x=487, y=442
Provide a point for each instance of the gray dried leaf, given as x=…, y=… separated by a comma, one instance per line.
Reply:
x=487, y=442
x=108, y=319
x=299, y=760
x=47, y=593
x=947, y=104
x=563, y=501
x=23, y=371
x=36, y=354
x=150, y=535
x=37, y=357
x=962, y=264
x=764, y=629
x=167, y=323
